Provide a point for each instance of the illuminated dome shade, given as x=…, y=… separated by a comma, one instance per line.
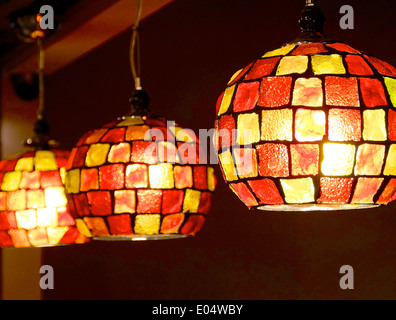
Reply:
x=125, y=187
x=33, y=204
x=321, y=123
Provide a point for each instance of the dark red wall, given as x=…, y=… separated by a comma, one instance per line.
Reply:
x=189, y=51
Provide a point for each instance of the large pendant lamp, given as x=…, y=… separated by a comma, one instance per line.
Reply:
x=139, y=177
x=33, y=204
x=310, y=126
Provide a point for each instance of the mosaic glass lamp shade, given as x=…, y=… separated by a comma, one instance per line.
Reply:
x=137, y=179
x=321, y=129
x=33, y=203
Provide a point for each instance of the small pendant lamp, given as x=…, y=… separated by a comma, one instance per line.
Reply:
x=139, y=177
x=33, y=204
x=310, y=126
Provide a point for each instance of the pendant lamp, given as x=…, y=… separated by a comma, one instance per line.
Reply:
x=139, y=177
x=33, y=204
x=310, y=126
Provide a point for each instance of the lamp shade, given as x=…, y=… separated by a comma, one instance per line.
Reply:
x=310, y=126
x=139, y=178
x=33, y=203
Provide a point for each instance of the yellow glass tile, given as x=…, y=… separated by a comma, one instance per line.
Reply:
x=298, y=191
x=308, y=92
x=24, y=164
x=161, y=176
x=338, y=159
x=236, y=74
x=184, y=135
x=191, y=201
x=47, y=217
x=38, y=237
x=248, y=129
x=55, y=235
x=45, y=161
x=277, y=125
x=11, y=181
x=138, y=133
x=327, y=64
x=26, y=219
x=391, y=86
x=246, y=162
x=227, y=163
x=390, y=167
x=374, y=125
x=62, y=172
x=130, y=121
x=226, y=102
x=310, y=125
x=55, y=197
x=97, y=154
x=147, y=224
x=83, y=228
x=73, y=181
x=369, y=160
x=211, y=179
x=280, y=52
x=289, y=65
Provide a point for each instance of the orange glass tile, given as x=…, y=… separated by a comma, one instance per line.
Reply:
x=345, y=125
x=3, y=202
x=120, y=224
x=193, y=225
x=111, y=177
x=19, y=238
x=373, y=92
x=310, y=125
x=243, y=192
x=16, y=200
x=149, y=201
x=266, y=191
x=290, y=65
x=94, y=136
x=227, y=131
x=246, y=97
x=335, y=190
x=369, y=160
x=343, y=47
x=349, y=89
x=172, y=201
x=30, y=180
x=392, y=125
x=144, y=152
x=310, y=48
x=388, y=193
x=35, y=199
x=97, y=226
x=100, y=202
x=305, y=159
x=114, y=135
x=275, y=91
x=308, y=92
x=382, y=67
x=277, y=125
x=89, y=179
x=338, y=159
x=273, y=160
x=50, y=179
x=136, y=176
x=125, y=201
x=366, y=189
x=138, y=133
x=38, y=237
x=183, y=177
x=246, y=162
x=262, y=68
x=172, y=223
x=120, y=153
x=358, y=66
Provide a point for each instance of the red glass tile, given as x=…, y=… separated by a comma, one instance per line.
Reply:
x=262, y=68
x=218, y=104
x=125, y=201
x=227, y=131
x=266, y=191
x=100, y=202
x=358, y=66
x=188, y=153
x=30, y=180
x=335, y=190
x=69, y=164
x=136, y=176
x=244, y=194
x=246, y=96
x=155, y=122
x=305, y=159
x=79, y=157
x=310, y=48
x=97, y=226
x=193, y=224
x=89, y=179
x=50, y=179
x=71, y=236
x=5, y=240
x=7, y=221
x=81, y=205
x=392, y=125
x=172, y=223
x=343, y=47
x=8, y=165
x=1, y=177
x=205, y=202
x=167, y=152
x=275, y=91
x=35, y=199
x=388, y=193
x=149, y=201
x=200, y=177
x=3, y=201
x=16, y=200
x=64, y=217
x=120, y=224
x=161, y=134
x=111, y=124
x=144, y=152
x=112, y=177
x=349, y=89
x=274, y=160
x=114, y=135
x=383, y=67
x=373, y=92
x=345, y=125
x=172, y=201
